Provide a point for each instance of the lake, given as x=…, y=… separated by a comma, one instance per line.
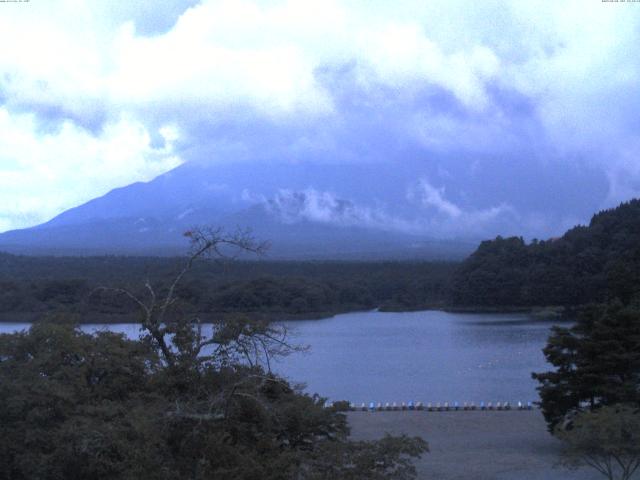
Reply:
x=428, y=356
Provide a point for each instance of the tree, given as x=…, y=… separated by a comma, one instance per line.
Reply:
x=607, y=440
x=77, y=406
x=597, y=362
x=179, y=338
x=593, y=263
x=178, y=403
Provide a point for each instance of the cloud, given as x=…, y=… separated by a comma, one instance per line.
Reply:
x=455, y=220
x=430, y=196
x=326, y=207
x=520, y=87
x=227, y=55
x=44, y=173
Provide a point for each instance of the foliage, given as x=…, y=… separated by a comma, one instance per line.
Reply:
x=262, y=289
x=587, y=264
x=389, y=457
x=341, y=406
x=597, y=362
x=607, y=439
x=70, y=401
x=181, y=402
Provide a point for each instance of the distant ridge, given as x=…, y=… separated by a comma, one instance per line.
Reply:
x=305, y=211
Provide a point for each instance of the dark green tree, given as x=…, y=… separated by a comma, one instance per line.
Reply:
x=76, y=405
x=597, y=362
x=593, y=263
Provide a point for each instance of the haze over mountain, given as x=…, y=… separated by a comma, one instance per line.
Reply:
x=339, y=124
x=303, y=210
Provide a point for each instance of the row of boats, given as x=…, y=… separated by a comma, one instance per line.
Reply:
x=437, y=407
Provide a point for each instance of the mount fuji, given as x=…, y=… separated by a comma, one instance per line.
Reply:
x=305, y=211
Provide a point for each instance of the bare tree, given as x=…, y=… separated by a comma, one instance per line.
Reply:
x=181, y=339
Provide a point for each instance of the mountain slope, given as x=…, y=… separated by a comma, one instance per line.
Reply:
x=305, y=211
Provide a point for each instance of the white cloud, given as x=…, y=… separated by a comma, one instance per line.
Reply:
x=326, y=207
x=267, y=52
x=223, y=53
x=430, y=196
x=45, y=173
x=402, y=55
x=454, y=219
x=317, y=206
x=291, y=206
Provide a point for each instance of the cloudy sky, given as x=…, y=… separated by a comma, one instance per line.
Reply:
x=527, y=110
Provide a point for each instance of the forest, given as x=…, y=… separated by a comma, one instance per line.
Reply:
x=593, y=263
x=31, y=287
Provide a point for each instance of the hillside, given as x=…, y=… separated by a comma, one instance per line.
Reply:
x=587, y=264
x=305, y=211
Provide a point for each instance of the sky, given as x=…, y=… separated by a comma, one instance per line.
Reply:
x=523, y=111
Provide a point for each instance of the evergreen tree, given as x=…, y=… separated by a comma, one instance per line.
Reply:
x=597, y=362
x=595, y=263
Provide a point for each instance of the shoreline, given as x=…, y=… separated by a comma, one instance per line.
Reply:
x=538, y=312
x=115, y=318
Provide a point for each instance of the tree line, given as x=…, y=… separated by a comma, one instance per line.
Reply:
x=269, y=289
x=593, y=263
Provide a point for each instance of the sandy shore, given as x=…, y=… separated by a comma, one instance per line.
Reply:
x=500, y=445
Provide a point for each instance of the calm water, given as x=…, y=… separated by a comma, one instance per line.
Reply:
x=426, y=356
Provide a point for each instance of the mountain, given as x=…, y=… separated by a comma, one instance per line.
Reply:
x=303, y=210
x=591, y=263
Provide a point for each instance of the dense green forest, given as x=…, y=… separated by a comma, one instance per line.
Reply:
x=587, y=264
x=33, y=286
